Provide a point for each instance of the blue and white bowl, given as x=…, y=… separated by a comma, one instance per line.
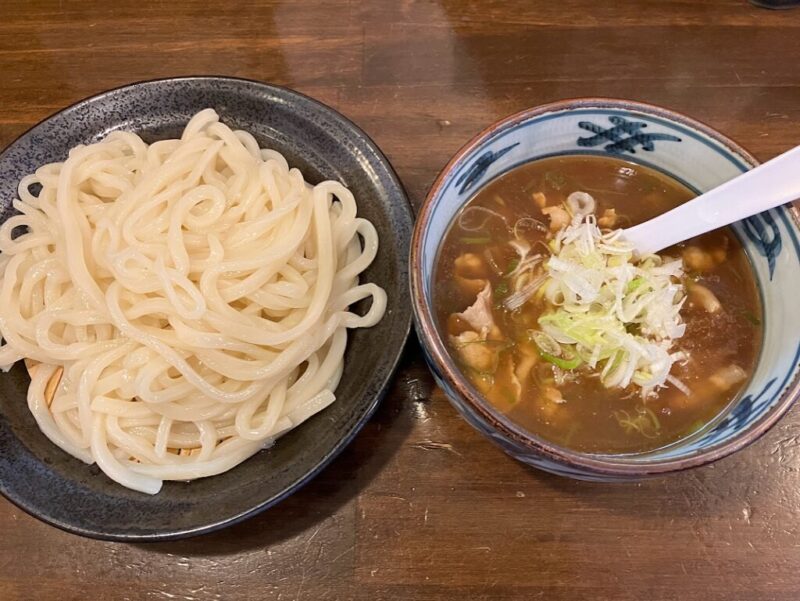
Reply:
x=691, y=153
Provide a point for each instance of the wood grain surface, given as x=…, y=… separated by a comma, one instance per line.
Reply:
x=420, y=507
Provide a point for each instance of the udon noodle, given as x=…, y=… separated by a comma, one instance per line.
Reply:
x=186, y=302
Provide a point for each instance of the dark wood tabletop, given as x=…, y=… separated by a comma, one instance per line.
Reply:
x=420, y=506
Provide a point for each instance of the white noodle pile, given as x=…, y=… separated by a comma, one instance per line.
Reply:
x=195, y=293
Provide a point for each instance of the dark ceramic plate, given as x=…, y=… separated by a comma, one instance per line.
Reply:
x=53, y=486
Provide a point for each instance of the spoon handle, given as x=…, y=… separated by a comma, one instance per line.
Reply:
x=769, y=185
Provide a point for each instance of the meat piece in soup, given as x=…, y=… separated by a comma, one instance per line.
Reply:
x=492, y=298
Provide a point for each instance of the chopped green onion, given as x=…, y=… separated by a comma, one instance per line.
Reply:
x=476, y=239
x=634, y=284
x=499, y=345
x=751, y=318
x=563, y=363
x=512, y=265
x=501, y=290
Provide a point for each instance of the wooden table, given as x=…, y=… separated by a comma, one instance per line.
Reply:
x=420, y=506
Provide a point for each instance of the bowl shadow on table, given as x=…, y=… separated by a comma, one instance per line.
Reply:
x=337, y=485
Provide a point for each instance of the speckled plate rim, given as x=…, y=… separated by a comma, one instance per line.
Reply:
x=447, y=370
x=368, y=412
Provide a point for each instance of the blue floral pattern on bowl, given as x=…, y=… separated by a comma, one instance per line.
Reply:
x=623, y=136
x=689, y=152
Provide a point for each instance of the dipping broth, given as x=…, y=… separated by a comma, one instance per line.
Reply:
x=569, y=405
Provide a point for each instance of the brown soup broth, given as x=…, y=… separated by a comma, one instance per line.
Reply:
x=588, y=416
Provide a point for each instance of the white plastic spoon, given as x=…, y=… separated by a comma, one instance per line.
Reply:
x=769, y=185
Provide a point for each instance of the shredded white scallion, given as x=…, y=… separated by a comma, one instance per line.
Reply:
x=619, y=314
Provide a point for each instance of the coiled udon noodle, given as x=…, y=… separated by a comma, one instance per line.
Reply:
x=184, y=302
